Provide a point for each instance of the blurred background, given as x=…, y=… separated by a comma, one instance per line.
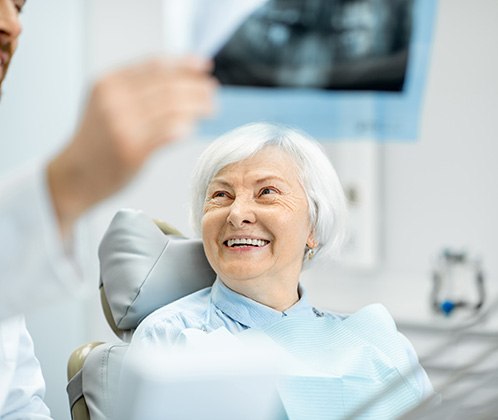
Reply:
x=410, y=200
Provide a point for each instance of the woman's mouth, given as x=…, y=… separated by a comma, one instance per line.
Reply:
x=246, y=242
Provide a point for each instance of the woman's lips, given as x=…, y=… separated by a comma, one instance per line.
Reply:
x=245, y=242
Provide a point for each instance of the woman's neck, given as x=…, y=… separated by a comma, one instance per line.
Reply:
x=274, y=295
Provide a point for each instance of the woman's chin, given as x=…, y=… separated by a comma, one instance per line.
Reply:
x=241, y=274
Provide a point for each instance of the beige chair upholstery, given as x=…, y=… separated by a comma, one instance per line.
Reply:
x=144, y=264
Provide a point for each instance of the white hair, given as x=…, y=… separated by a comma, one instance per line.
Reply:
x=326, y=201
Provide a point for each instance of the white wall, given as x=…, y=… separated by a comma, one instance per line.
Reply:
x=437, y=191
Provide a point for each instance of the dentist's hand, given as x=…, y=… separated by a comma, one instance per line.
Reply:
x=130, y=113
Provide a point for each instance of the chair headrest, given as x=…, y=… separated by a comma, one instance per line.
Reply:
x=142, y=269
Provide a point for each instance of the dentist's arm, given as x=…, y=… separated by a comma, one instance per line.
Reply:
x=130, y=113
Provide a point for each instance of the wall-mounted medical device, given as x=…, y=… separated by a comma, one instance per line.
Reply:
x=458, y=282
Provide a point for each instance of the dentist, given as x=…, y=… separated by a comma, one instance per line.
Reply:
x=130, y=113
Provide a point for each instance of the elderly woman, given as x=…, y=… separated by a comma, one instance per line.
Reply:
x=268, y=203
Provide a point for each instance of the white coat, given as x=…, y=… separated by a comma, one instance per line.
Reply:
x=22, y=387
x=34, y=270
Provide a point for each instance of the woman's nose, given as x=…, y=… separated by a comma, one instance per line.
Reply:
x=241, y=213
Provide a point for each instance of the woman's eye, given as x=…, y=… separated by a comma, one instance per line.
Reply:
x=220, y=194
x=268, y=190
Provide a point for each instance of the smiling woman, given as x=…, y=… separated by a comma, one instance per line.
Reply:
x=266, y=200
x=250, y=211
x=298, y=156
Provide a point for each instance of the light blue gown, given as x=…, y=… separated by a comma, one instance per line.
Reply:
x=357, y=365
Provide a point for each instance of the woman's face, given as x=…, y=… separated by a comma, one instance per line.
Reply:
x=256, y=223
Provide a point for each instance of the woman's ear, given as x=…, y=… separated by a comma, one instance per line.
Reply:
x=311, y=245
x=311, y=242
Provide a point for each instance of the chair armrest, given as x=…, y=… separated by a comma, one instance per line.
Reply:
x=79, y=409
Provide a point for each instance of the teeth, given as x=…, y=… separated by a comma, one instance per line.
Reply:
x=246, y=241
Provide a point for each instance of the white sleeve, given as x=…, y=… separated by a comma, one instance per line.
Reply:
x=36, y=268
x=22, y=380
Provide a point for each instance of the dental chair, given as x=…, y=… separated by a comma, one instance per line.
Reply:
x=144, y=264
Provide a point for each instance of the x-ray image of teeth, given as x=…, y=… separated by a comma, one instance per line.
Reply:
x=329, y=44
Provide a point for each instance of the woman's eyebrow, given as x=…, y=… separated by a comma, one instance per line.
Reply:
x=219, y=182
x=270, y=178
